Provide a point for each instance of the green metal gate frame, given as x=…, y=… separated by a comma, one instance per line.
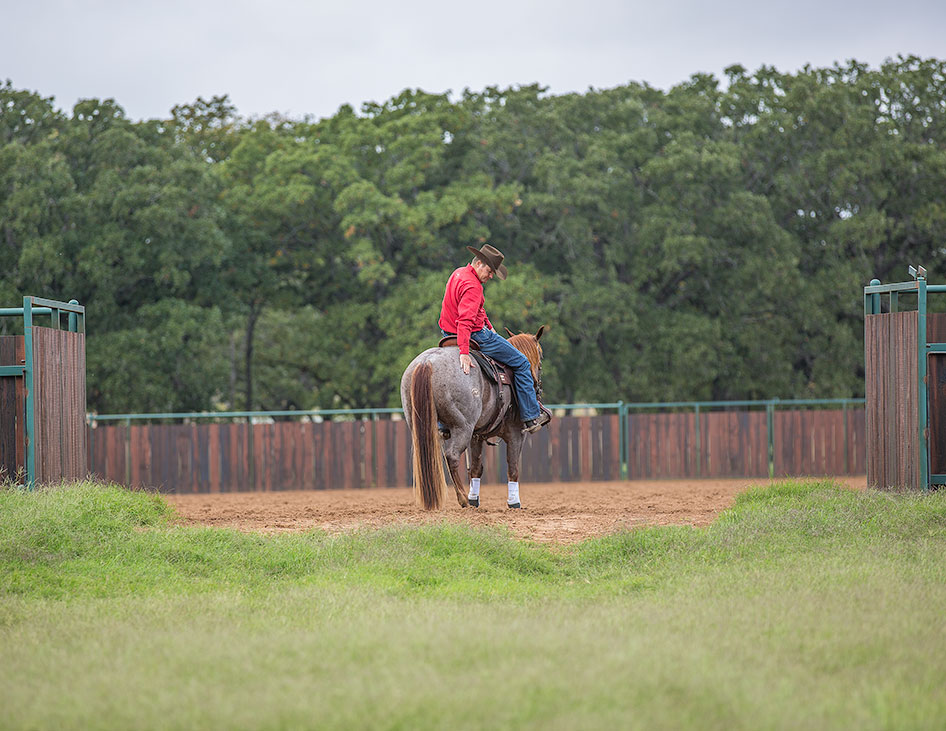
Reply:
x=921, y=289
x=76, y=323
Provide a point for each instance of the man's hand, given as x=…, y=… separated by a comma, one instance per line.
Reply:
x=466, y=362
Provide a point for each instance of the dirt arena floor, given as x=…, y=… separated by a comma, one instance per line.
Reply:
x=551, y=513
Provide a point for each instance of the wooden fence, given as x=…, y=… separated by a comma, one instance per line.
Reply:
x=352, y=454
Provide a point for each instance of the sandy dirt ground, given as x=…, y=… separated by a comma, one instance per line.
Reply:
x=551, y=513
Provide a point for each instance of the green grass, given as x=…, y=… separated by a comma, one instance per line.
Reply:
x=804, y=606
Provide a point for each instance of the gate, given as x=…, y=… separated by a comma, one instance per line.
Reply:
x=43, y=395
x=905, y=386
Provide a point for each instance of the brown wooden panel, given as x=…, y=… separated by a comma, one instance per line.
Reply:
x=535, y=463
x=59, y=405
x=555, y=442
x=603, y=458
x=614, y=421
x=682, y=429
x=713, y=449
x=563, y=444
x=936, y=363
x=634, y=471
x=12, y=409
x=370, y=465
x=890, y=354
x=47, y=404
x=306, y=461
x=213, y=458
x=857, y=441
x=302, y=443
x=75, y=387
x=385, y=454
x=200, y=465
x=139, y=455
x=584, y=446
x=159, y=436
x=112, y=441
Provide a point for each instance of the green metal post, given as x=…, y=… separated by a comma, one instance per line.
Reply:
x=923, y=426
x=699, y=449
x=770, y=434
x=127, y=448
x=89, y=421
x=73, y=318
x=622, y=437
x=30, y=401
x=874, y=299
x=847, y=451
x=894, y=302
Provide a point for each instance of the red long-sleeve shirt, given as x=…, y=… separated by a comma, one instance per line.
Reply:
x=463, y=310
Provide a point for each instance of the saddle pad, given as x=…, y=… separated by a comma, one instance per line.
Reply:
x=450, y=341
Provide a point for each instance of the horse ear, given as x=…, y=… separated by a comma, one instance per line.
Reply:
x=541, y=331
x=511, y=333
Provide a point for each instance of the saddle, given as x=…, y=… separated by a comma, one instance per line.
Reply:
x=495, y=372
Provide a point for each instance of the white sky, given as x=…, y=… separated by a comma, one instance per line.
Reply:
x=299, y=58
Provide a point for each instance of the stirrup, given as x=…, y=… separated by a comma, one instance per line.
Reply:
x=533, y=425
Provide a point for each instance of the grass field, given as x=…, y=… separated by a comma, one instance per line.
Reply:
x=804, y=606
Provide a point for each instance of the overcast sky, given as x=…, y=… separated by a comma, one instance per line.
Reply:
x=301, y=57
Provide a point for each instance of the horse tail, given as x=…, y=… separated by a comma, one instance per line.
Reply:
x=429, y=481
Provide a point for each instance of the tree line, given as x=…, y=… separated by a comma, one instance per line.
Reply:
x=706, y=242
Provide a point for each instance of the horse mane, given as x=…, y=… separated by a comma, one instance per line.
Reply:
x=528, y=345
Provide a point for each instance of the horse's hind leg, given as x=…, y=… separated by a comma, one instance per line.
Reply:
x=453, y=451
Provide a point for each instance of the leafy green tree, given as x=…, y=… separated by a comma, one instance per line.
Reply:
x=172, y=359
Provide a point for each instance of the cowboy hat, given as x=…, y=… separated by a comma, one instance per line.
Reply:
x=492, y=257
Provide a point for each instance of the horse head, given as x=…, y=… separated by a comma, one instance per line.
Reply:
x=528, y=345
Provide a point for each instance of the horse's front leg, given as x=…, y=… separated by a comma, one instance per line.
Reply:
x=476, y=471
x=513, y=457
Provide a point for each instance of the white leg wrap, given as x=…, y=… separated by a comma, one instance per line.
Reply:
x=474, y=487
x=513, y=493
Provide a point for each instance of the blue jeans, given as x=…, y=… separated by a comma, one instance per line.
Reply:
x=497, y=348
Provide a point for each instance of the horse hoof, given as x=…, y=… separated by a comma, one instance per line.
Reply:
x=474, y=502
x=513, y=505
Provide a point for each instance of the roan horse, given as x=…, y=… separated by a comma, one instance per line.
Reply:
x=434, y=388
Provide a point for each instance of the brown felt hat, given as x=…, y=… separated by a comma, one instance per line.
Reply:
x=492, y=257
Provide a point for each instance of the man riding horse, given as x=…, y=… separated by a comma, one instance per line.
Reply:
x=463, y=315
x=471, y=404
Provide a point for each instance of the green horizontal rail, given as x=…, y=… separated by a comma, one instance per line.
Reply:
x=71, y=306
x=239, y=414
x=895, y=287
x=725, y=404
x=396, y=410
x=20, y=311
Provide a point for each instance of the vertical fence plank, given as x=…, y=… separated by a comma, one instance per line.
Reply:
x=11, y=408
